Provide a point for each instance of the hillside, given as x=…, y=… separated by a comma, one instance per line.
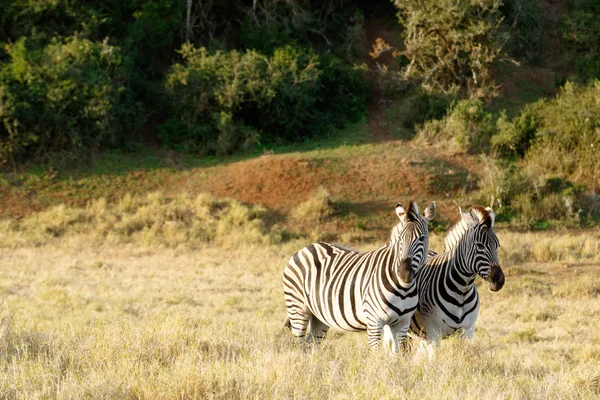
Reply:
x=290, y=128
x=365, y=179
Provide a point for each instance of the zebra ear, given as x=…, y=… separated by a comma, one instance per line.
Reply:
x=400, y=211
x=413, y=211
x=430, y=211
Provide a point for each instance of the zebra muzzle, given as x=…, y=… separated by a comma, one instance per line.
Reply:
x=406, y=271
x=495, y=280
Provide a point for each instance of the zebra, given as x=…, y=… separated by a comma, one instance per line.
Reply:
x=448, y=299
x=329, y=285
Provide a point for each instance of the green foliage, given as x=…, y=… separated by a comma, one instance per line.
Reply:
x=224, y=101
x=416, y=107
x=555, y=168
x=331, y=24
x=467, y=127
x=580, y=28
x=568, y=136
x=62, y=96
x=529, y=201
x=450, y=45
x=514, y=138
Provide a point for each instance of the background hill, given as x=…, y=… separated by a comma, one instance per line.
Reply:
x=268, y=101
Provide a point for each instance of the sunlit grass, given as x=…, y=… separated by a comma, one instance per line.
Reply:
x=87, y=318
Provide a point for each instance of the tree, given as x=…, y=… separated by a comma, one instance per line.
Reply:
x=451, y=44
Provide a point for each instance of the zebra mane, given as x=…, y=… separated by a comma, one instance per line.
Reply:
x=456, y=233
x=476, y=216
x=394, y=234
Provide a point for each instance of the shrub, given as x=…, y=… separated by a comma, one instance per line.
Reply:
x=208, y=94
x=451, y=45
x=554, y=146
x=224, y=101
x=526, y=199
x=415, y=107
x=580, y=29
x=316, y=208
x=62, y=97
x=513, y=138
x=568, y=136
x=467, y=127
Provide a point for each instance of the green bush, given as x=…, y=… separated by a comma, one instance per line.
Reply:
x=65, y=96
x=467, y=127
x=555, y=169
x=224, y=101
x=558, y=137
x=568, y=136
x=513, y=138
x=451, y=45
x=580, y=29
x=527, y=200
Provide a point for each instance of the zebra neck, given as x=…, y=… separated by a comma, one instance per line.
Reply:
x=461, y=272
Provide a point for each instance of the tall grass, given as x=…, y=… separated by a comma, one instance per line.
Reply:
x=190, y=222
x=181, y=299
x=139, y=322
x=154, y=219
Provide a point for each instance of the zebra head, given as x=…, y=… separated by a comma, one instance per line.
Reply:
x=411, y=238
x=484, y=246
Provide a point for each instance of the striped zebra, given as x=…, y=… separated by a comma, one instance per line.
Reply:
x=329, y=285
x=448, y=299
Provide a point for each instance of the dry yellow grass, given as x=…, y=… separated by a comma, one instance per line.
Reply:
x=88, y=316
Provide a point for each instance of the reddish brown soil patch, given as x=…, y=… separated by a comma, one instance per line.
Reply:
x=278, y=183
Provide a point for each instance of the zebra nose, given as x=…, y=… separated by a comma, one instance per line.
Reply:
x=407, y=273
x=496, y=279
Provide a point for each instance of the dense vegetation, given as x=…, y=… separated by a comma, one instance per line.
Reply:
x=215, y=77
x=220, y=77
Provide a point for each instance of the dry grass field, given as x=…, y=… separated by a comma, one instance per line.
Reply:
x=89, y=314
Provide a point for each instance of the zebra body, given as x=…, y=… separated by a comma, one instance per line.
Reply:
x=329, y=285
x=448, y=298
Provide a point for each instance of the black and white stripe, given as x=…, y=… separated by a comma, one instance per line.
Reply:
x=448, y=299
x=329, y=285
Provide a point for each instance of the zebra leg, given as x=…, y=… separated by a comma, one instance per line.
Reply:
x=468, y=334
x=433, y=335
x=317, y=330
x=390, y=338
x=393, y=336
x=299, y=324
x=374, y=334
x=298, y=317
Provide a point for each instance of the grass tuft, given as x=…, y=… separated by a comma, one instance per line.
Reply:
x=316, y=208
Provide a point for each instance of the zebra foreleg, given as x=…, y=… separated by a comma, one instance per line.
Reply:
x=390, y=338
x=393, y=336
x=467, y=334
x=298, y=323
x=317, y=330
x=434, y=335
x=374, y=335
